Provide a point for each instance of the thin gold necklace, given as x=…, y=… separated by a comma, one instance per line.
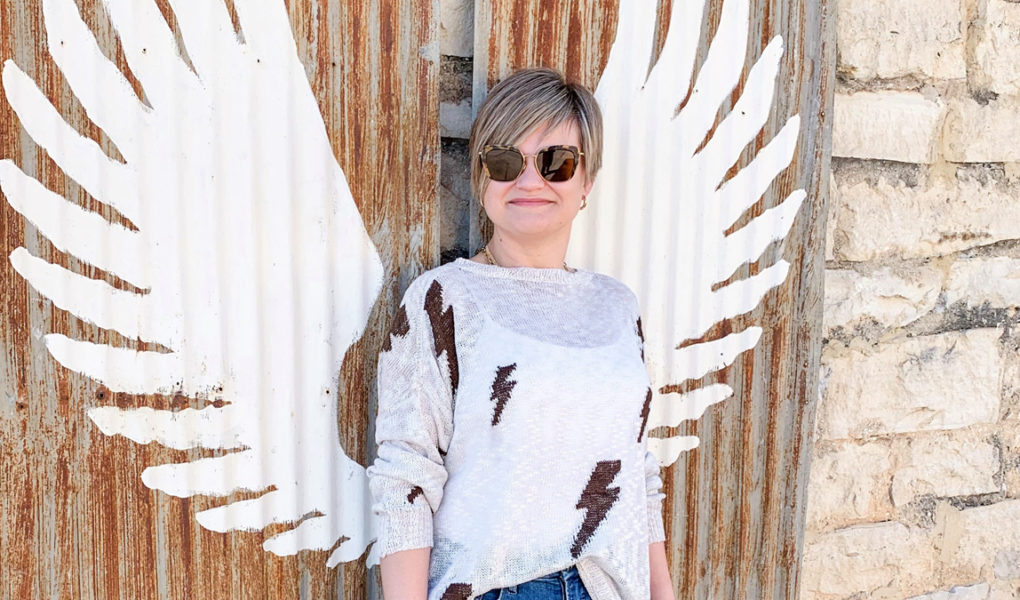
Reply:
x=492, y=261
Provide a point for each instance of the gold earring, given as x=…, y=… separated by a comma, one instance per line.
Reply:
x=584, y=202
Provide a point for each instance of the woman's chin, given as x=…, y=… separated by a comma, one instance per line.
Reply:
x=534, y=227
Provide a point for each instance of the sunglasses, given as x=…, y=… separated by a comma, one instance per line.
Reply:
x=506, y=163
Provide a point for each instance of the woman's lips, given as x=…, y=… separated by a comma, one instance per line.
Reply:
x=530, y=201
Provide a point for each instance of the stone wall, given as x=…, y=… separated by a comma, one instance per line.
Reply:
x=915, y=478
x=456, y=48
x=915, y=475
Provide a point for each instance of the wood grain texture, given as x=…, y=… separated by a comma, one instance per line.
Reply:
x=75, y=519
x=735, y=506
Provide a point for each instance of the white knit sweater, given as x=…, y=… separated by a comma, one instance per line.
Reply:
x=511, y=430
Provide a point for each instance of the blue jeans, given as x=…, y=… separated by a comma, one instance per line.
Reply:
x=561, y=585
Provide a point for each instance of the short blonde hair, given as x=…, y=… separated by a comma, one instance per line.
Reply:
x=528, y=99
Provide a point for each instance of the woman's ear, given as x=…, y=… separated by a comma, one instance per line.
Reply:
x=588, y=183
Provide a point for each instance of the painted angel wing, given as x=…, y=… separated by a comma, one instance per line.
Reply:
x=253, y=264
x=657, y=216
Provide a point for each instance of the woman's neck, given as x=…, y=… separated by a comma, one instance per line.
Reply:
x=510, y=252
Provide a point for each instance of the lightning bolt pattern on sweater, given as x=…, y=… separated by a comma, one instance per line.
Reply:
x=596, y=500
x=502, y=385
x=645, y=409
x=399, y=328
x=509, y=437
x=443, y=331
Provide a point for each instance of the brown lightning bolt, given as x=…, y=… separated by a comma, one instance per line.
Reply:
x=597, y=498
x=645, y=409
x=442, y=330
x=641, y=334
x=457, y=591
x=502, y=385
x=399, y=328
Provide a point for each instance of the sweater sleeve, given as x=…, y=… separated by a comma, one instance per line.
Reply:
x=653, y=485
x=653, y=480
x=414, y=423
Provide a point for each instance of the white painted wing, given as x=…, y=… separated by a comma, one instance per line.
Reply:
x=657, y=215
x=256, y=269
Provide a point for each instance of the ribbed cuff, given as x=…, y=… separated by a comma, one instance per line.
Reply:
x=656, y=530
x=405, y=530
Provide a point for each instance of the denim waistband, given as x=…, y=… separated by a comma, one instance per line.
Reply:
x=568, y=573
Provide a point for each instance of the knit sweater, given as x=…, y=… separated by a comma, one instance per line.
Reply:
x=511, y=438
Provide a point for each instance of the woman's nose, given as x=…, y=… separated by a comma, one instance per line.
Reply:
x=530, y=178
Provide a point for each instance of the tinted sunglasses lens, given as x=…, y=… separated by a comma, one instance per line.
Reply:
x=504, y=164
x=556, y=164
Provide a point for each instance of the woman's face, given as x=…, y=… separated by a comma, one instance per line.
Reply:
x=530, y=206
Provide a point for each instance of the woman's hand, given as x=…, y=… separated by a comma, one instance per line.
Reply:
x=662, y=585
x=405, y=574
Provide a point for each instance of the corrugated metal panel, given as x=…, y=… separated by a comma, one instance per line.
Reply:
x=76, y=519
x=708, y=262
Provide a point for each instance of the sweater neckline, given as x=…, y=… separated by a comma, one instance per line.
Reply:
x=544, y=274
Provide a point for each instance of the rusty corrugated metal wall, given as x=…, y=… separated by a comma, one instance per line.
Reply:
x=735, y=505
x=76, y=519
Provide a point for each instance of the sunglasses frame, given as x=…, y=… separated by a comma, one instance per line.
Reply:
x=524, y=164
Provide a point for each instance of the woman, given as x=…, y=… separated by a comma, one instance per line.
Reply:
x=513, y=396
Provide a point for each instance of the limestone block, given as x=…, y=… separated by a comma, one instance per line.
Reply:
x=1007, y=564
x=1005, y=590
x=892, y=38
x=900, y=126
x=454, y=200
x=1009, y=439
x=970, y=592
x=457, y=27
x=974, y=281
x=962, y=463
x=936, y=382
x=849, y=483
x=455, y=119
x=888, y=296
x=982, y=132
x=877, y=561
x=830, y=220
x=996, y=54
x=930, y=216
x=978, y=541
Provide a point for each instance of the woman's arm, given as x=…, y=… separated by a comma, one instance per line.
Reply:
x=405, y=574
x=414, y=422
x=662, y=585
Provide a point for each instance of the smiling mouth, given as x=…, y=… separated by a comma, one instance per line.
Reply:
x=531, y=202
